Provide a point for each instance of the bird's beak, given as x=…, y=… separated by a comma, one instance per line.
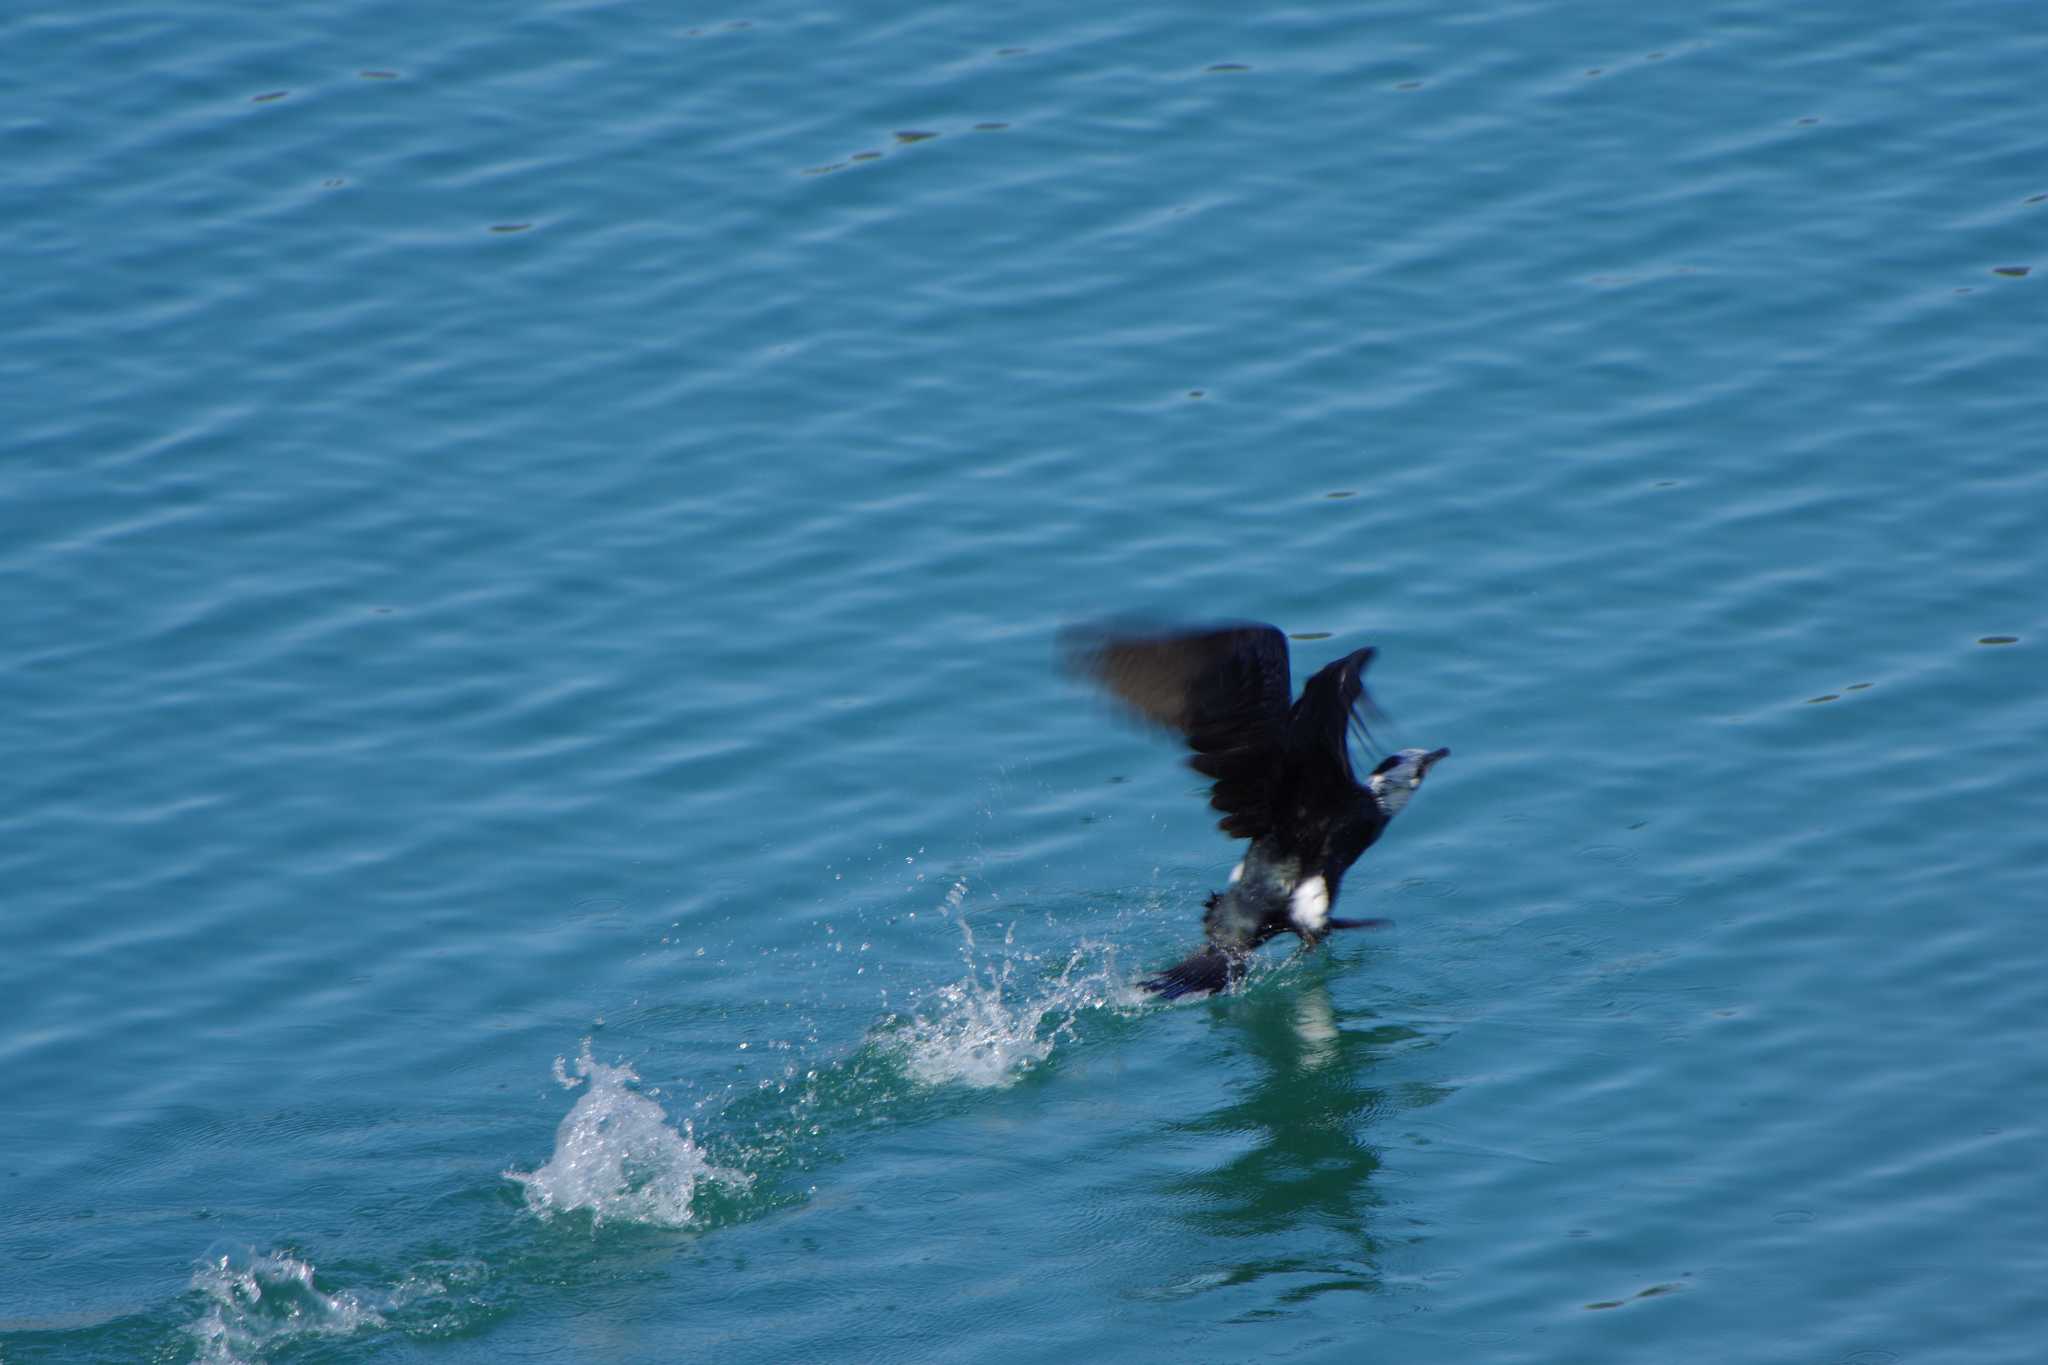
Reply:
x=1430, y=760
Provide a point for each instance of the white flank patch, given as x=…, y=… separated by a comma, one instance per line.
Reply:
x=1237, y=874
x=1309, y=907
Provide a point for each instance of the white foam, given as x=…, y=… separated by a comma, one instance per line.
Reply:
x=618, y=1156
x=990, y=1030
x=268, y=1300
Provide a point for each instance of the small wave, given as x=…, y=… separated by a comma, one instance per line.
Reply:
x=618, y=1156
x=989, y=1030
x=265, y=1302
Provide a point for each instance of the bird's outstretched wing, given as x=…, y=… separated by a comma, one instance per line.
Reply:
x=1225, y=689
x=1334, y=705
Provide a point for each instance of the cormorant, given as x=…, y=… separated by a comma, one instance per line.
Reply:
x=1282, y=775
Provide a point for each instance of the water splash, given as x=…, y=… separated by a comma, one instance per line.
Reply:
x=989, y=1029
x=267, y=1302
x=617, y=1155
x=258, y=1307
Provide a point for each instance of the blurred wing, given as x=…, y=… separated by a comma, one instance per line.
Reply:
x=1224, y=689
x=1334, y=705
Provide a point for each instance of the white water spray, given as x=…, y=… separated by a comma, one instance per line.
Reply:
x=617, y=1155
x=989, y=1029
x=265, y=1301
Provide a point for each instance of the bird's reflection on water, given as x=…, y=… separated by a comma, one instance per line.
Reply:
x=1305, y=1185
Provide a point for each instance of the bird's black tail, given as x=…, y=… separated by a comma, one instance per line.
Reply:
x=1212, y=969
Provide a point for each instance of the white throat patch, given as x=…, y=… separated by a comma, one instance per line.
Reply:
x=1309, y=906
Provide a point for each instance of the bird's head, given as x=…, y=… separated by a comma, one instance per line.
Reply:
x=1399, y=774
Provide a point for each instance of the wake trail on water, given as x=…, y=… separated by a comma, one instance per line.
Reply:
x=620, y=1157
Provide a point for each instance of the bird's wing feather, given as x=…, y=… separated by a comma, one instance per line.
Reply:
x=1224, y=689
x=1334, y=705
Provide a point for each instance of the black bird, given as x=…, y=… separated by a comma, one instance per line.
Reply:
x=1282, y=773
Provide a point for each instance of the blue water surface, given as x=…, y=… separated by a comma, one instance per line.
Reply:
x=538, y=819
